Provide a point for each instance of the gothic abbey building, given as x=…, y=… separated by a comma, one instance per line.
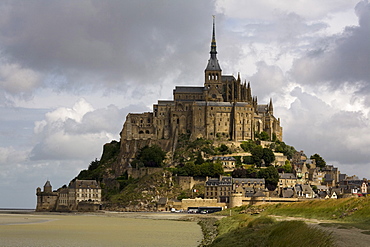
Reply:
x=223, y=109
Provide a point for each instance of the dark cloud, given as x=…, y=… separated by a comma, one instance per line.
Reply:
x=339, y=59
x=316, y=127
x=111, y=43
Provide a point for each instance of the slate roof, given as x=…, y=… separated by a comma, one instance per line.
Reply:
x=213, y=65
x=225, y=78
x=248, y=180
x=212, y=181
x=216, y=181
x=162, y=201
x=262, y=108
x=189, y=89
x=47, y=184
x=287, y=176
x=84, y=184
x=224, y=158
x=306, y=188
x=166, y=102
x=288, y=192
x=213, y=103
x=259, y=194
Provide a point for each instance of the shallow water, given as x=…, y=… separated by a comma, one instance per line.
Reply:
x=95, y=230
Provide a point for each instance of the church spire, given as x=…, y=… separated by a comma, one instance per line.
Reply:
x=213, y=42
x=213, y=62
x=271, y=107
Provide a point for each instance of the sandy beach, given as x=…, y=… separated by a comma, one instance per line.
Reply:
x=98, y=229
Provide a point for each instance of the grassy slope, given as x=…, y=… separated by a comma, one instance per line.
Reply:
x=244, y=230
x=247, y=230
x=355, y=211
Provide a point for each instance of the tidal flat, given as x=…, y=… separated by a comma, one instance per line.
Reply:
x=107, y=229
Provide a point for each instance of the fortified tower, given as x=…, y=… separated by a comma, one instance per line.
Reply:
x=46, y=200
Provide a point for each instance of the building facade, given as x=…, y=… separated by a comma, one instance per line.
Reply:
x=80, y=195
x=224, y=187
x=221, y=109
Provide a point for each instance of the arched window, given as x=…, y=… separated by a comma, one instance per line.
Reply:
x=141, y=132
x=147, y=132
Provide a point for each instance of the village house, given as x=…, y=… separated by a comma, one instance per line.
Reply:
x=222, y=188
x=228, y=162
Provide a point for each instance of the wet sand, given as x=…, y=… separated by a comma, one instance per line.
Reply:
x=100, y=229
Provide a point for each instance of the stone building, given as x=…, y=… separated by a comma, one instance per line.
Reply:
x=46, y=199
x=222, y=188
x=223, y=109
x=81, y=195
x=218, y=188
x=228, y=162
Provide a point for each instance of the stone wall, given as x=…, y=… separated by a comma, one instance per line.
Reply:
x=199, y=202
x=187, y=182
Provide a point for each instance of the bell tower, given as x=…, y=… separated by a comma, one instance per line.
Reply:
x=213, y=70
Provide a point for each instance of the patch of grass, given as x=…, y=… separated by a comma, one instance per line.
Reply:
x=297, y=233
x=346, y=209
x=264, y=231
x=366, y=232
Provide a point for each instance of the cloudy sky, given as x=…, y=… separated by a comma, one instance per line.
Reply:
x=71, y=70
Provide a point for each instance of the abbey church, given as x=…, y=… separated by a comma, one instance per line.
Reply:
x=223, y=109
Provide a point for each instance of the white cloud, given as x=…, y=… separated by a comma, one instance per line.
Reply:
x=17, y=82
x=265, y=10
x=75, y=133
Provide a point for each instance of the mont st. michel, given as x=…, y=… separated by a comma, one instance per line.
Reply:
x=222, y=111
x=211, y=147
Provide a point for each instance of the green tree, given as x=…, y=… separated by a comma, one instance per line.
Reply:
x=257, y=155
x=223, y=149
x=264, y=136
x=238, y=162
x=248, y=160
x=287, y=166
x=152, y=156
x=268, y=156
x=271, y=176
x=211, y=169
x=191, y=169
x=287, y=150
x=247, y=146
x=320, y=162
x=251, y=172
x=94, y=165
x=239, y=173
x=199, y=160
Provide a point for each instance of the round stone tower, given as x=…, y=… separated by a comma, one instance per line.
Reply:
x=236, y=200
